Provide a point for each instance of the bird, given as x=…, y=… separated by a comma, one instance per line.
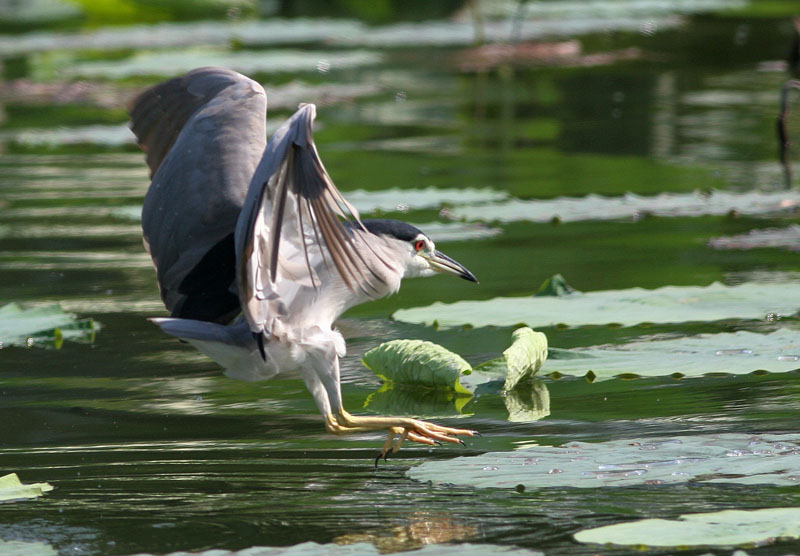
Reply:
x=256, y=251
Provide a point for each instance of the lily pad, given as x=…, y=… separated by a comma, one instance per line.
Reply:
x=12, y=489
x=23, y=548
x=418, y=363
x=783, y=238
x=734, y=353
x=628, y=307
x=48, y=326
x=404, y=200
x=723, y=458
x=247, y=62
x=725, y=528
x=632, y=206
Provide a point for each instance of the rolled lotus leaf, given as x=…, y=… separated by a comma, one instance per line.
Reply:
x=418, y=363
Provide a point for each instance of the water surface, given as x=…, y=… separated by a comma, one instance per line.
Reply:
x=152, y=450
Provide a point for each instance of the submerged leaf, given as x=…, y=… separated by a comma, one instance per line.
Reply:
x=735, y=353
x=48, y=325
x=418, y=363
x=723, y=458
x=670, y=304
x=725, y=528
x=11, y=488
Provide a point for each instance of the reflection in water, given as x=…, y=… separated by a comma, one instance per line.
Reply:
x=422, y=528
x=530, y=401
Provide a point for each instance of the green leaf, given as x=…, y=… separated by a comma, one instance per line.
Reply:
x=735, y=353
x=555, y=286
x=722, y=458
x=418, y=363
x=37, y=326
x=521, y=360
x=670, y=304
x=423, y=378
x=22, y=548
x=725, y=528
x=12, y=489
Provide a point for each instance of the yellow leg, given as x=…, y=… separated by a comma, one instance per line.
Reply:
x=400, y=429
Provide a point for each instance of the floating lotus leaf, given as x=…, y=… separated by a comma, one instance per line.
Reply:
x=722, y=458
x=173, y=62
x=23, y=548
x=631, y=206
x=725, y=528
x=670, y=304
x=12, y=489
x=48, y=326
x=783, y=238
x=395, y=199
x=735, y=353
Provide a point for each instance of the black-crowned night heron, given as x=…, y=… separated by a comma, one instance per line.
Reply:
x=256, y=250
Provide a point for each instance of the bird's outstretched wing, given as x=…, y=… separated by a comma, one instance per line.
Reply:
x=295, y=221
x=204, y=134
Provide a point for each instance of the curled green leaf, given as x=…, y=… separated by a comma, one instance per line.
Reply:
x=418, y=363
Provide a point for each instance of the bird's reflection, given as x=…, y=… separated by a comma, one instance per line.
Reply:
x=422, y=528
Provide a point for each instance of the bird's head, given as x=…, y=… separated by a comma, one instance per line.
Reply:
x=415, y=251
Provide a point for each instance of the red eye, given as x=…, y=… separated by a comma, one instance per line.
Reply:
x=419, y=245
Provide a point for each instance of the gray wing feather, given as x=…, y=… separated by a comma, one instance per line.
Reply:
x=292, y=202
x=204, y=134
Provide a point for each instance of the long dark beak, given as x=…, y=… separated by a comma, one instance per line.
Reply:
x=444, y=264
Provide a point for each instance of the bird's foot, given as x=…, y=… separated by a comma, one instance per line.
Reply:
x=400, y=429
x=421, y=432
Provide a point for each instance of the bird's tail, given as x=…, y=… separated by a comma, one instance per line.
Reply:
x=232, y=346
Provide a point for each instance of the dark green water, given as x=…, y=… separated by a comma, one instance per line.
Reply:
x=150, y=449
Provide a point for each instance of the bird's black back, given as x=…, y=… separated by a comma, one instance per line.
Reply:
x=393, y=228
